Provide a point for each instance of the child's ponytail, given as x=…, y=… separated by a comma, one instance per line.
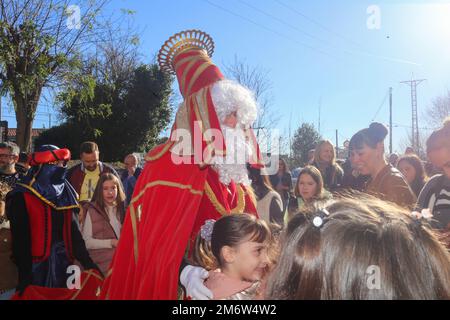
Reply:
x=203, y=255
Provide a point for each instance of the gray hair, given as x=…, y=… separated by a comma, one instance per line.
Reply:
x=11, y=146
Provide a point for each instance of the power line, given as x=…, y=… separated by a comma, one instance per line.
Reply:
x=381, y=105
x=283, y=22
x=317, y=23
x=409, y=127
x=267, y=29
x=365, y=53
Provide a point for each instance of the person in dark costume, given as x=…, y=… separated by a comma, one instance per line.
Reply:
x=44, y=224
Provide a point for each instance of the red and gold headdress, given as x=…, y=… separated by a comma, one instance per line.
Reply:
x=187, y=55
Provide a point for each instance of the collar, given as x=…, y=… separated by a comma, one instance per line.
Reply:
x=100, y=165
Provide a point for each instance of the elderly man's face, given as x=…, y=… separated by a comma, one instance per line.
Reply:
x=7, y=159
x=130, y=162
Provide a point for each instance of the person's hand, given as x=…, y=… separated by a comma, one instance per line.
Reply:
x=114, y=243
x=131, y=171
x=192, y=279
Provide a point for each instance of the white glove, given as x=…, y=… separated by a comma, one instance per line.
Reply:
x=192, y=279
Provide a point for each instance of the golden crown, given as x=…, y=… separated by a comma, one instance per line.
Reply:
x=182, y=41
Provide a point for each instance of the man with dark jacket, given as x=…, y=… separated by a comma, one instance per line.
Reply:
x=46, y=239
x=84, y=176
x=129, y=176
x=9, y=155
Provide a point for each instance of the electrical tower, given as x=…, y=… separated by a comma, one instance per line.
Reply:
x=415, y=122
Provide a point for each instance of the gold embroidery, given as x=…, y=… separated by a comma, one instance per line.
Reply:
x=134, y=229
x=188, y=68
x=89, y=274
x=135, y=216
x=201, y=100
x=197, y=74
x=219, y=207
x=186, y=59
x=139, y=212
x=45, y=200
x=161, y=153
x=109, y=273
x=167, y=184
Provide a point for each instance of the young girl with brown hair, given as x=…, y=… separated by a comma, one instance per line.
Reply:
x=235, y=251
x=103, y=220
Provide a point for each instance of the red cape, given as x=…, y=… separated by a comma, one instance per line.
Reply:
x=91, y=282
x=156, y=230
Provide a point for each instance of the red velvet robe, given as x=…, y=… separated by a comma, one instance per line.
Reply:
x=170, y=203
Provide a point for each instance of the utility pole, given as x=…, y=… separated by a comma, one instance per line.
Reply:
x=390, y=120
x=415, y=123
x=49, y=120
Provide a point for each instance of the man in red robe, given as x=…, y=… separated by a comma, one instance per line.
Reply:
x=191, y=178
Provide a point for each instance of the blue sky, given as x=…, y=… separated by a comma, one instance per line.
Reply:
x=317, y=51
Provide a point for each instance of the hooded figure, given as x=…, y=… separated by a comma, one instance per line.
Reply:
x=45, y=231
x=191, y=178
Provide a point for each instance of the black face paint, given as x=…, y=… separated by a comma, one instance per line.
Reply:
x=57, y=174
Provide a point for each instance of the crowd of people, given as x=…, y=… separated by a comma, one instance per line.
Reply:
x=374, y=228
x=331, y=225
x=41, y=185
x=335, y=228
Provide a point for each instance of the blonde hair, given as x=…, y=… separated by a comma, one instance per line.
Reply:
x=440, y=138
x=318, y=149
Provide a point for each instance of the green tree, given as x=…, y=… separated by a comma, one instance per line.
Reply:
x=122, y=117
x=40, y=41
x=305, y=138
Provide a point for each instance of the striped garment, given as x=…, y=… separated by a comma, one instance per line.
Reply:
x=435, y=195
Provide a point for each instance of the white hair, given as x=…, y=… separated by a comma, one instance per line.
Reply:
x=229, y=96
x=234, y=165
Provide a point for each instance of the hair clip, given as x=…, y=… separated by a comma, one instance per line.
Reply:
x=319, y=217
x=424, y=214
x=207, y=229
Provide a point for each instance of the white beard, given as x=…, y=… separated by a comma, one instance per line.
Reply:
x=234, y=165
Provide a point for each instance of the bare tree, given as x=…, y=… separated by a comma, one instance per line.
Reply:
x=257, y=80
x=408, y=143
x=439, y=110
x=40, y=42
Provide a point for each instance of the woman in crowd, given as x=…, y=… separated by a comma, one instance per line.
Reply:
x=103, y=221
x=325, y=161
x=436, y=193
x=282, y=182
x=413, y=171
x=309, y=188
x=368, y=158
x=269, y=203
x=360, y=249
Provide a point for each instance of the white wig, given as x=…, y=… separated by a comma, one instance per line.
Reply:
x=229, y=96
